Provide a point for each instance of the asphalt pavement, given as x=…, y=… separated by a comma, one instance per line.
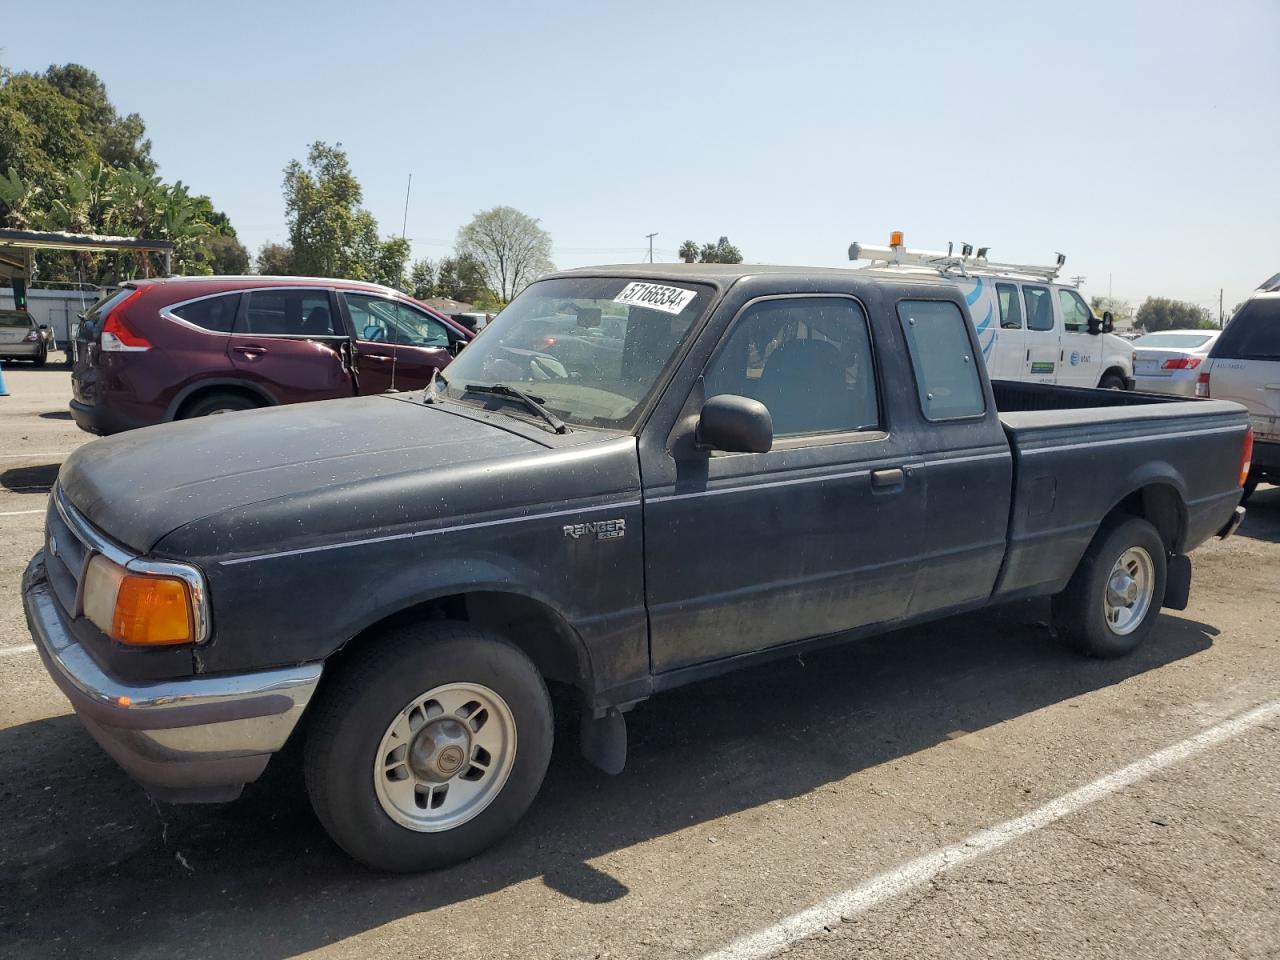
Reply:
x=965, y=789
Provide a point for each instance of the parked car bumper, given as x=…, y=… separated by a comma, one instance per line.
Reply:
x=94, y=418
x=1178, y=384
x=191, y=740
x=23, y=350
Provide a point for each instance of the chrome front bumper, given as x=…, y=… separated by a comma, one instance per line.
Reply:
x=193, y=740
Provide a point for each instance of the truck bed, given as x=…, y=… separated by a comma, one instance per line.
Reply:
x=1073, y=448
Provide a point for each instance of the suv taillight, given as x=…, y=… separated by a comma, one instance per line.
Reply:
x=1246, y=456
x=1202, y=384
x=117, y=336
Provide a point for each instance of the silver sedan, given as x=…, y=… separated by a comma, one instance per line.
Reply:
x=1170, y=361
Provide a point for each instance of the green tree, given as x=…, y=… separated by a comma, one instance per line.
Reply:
x=422, y=279
x=510, y=247
x=40, y=133
x=119, y=141
x=227, y=255
x=391, y=261
x=18, y=201
x=461, y=278
x=722, y=251
x=1161, y=313
x=275, y=260
x=330, y=233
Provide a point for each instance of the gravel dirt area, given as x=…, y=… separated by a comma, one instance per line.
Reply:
x=745, y=799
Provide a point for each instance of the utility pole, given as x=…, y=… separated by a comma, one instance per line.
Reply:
x=650, y=236
x=1077, y=279
x=1221, y=324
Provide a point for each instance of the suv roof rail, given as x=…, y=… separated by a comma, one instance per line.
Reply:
x=271, y=277
x=897, y=255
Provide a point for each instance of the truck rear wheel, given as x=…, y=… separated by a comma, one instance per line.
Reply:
x=428, y=747
x=1115, y=595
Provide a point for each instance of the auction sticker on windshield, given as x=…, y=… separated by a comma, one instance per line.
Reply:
x=655, y=296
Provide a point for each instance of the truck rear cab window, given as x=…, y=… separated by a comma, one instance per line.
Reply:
x=1039, y=307
x=212, y=313
x=1010, y=306
x=1253, y=333
x=942, y=358
x=808, y=359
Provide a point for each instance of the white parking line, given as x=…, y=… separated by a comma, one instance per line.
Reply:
x=36, y=453
x=14, y=651
x=20, y=513
x=858, y=900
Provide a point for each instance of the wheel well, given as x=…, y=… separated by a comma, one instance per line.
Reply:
x=1161, y=505
x=195, y=396
x=1118, y=371
x=530, y=625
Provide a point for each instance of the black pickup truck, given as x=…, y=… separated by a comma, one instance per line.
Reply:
x=633, y=479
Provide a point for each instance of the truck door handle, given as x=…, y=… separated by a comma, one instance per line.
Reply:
x=886, y=478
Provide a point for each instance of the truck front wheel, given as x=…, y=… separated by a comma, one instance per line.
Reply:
x=1115, y=595
x=427, y=747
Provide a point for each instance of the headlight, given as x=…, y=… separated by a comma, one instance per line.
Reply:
x=138, y=609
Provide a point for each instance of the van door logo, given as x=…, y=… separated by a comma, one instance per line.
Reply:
x=603, y=529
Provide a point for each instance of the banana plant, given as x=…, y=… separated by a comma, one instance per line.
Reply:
x=17, y=198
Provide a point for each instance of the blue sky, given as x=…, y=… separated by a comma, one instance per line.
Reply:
x=1141, y=139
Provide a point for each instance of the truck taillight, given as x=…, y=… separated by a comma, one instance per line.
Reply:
x=1181, y=363
x=1202, y=384
x=117, y=336
x=1246, y=456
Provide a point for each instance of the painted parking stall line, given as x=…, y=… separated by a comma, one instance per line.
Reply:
x=858, y=900
x=15, y=651
x=20, y=513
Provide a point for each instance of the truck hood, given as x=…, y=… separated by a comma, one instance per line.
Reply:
x=136, y=487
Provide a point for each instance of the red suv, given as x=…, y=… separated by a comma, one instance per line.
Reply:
x=159, y=350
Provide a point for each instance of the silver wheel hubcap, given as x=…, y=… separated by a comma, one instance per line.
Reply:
x=445, y=757
x=1129, y=589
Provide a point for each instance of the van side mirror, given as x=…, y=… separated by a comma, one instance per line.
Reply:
x=1095, y=325
x=1108, y=322
x=735, y=424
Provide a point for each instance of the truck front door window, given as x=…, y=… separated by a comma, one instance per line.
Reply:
x=808, y=359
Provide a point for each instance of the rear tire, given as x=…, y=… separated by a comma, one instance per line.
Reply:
x=1113, y=599
x=42, y=358
x=217, y=403
x=1111, y=381
x=392, y=712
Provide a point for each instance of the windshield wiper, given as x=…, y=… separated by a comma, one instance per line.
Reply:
x=515, y=393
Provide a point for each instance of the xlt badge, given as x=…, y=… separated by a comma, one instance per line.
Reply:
x=603, y=529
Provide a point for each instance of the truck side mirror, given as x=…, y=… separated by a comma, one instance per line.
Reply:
x=735, y=424
x=1108, y=322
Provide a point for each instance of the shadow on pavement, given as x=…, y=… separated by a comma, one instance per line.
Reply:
x=1262, y=519
x=88, y=864
x=38, y=479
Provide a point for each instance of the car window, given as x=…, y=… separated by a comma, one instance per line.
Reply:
x=942, y=357
x=1010, y=306
x=808, y=359
x=1039, y=308
x=1253, y=333
x=14, y=318
x=1184, y=341
x=298, y=313
x=380, y=320
x=1075, y=312
x=212, y=313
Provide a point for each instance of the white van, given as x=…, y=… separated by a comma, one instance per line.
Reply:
x=1030, y=327
x=1244, y=366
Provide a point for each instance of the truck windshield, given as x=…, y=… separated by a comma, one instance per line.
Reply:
x=591, y=349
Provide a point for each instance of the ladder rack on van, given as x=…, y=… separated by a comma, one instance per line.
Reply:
x=966, y=264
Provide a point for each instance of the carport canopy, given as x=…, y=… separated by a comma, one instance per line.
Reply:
x=18, y=249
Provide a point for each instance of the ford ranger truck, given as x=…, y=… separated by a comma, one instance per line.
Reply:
x=633, y=479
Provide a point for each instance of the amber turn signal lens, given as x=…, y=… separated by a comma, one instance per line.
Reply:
x=152, y=611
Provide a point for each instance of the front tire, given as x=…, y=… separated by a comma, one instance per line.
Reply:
x=428, y=747
x=1113, y=599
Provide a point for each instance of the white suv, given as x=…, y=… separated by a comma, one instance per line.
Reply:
x=1244, y=366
